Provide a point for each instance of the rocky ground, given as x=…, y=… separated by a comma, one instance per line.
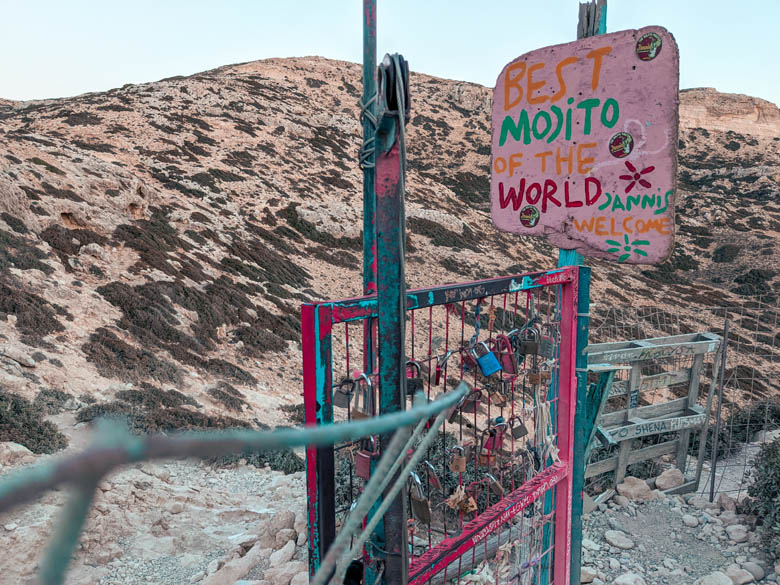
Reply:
x=643, y=537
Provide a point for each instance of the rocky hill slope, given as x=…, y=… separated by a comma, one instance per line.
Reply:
x=162, y=236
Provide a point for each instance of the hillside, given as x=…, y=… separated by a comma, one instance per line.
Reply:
x=162, y=236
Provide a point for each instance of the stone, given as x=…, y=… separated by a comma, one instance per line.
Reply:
x=10, y=527
x=614, y=564
x=17, y=354
x=14, y=454
x=588, y=544
x=702, y=503
x=283, y=555
x=669, y=479
x=634, y=488
x=302, y=538
x=755, y=569
x=284, y=536
x=301, y=578
x=176, y=508
x=737, y=532
x=587, y=574
x=738, y=575
x=283, y=575
x=621, y=500
x=716, y=578
x=588, y=505
x=729, y=518
x=93, y=249
x=726, y=502
x=690, y=521
x=237, y=568
x=629, y=579
x=281, y=520
x=618, y=539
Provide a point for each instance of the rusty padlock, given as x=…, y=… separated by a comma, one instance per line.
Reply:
x=470, y=402
x=342, y=395
x=433, y=477
x=519, y=430
x=414, y=381
x=421, y=506
x=366, y=391
x=547, y=343
x=497, y=397
x=458, y=460
x=363, y=460
x=506, y=354
x=529, y=341
x=495, y=485
x=534, y=376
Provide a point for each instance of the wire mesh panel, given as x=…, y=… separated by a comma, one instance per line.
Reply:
x=492, y=494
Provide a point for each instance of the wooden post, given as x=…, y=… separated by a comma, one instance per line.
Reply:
x=693, y=397
x=625, y=446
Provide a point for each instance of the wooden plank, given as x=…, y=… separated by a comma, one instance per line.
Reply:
x=599, y=348
x=656, y=427
x=687, y=487
x=692, y=400
x=633, y=399
x=664, y=409
x=717, y=367
x=662, y=380
x=652, y=452
x=634, y=352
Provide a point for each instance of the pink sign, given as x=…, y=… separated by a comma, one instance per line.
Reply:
x=585, y=145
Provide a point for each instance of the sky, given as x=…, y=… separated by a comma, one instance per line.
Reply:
x=58, y=48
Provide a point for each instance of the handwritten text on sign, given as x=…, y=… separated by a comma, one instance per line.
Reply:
x=585, y=145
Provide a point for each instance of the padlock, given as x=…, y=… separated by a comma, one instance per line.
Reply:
x=470, y=402
x=487, y=361
x=529, y=341
x=458, y=460
x=495, y=485
x=433, y=477
x=545, y=374
x=494, y=439
x=441, y=362
x=421, y=507
x=364, y=458
x=506, y=354
x=497, y=397
x=414, y=381
x=342, y=396
x=534, y=376
x=547, y=343
x=519, y=430
x=367, y=393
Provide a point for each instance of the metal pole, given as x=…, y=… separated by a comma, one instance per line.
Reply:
x=393, y=107
x=592, y=21
x=716, y=432
x=368, y=151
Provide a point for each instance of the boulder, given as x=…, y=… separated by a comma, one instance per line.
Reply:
x=716, y=578
x=726, y=502
x=737, y=532
x=671, y=478
x=281, y=520
x=283, y=555
x=18, y=355
x=14, y=454
x=738, y=575
x=301, y=578
x=284, y=574
x=690, y=521
x=587, y=574
x=629, y=579
x=618, y=539
x=755, y=569
x=590, y=545
x=635, y=489
x=234, y=570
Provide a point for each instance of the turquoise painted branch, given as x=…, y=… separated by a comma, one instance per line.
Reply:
x=120, y=448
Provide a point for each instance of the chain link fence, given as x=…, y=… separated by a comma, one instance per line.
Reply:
x=746, y=406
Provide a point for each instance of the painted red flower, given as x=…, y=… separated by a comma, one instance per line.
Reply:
x=636, y=176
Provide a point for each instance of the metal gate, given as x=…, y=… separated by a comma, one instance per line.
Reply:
x=491, y=499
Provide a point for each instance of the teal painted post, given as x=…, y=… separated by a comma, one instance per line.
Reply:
x=368, y=152
x=393, y=75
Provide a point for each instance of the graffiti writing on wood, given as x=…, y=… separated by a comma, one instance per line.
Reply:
x=585, y=145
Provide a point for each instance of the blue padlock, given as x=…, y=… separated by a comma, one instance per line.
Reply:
x=488, y=362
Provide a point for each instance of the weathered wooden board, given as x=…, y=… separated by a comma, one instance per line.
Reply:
x=652, y=452
x=655, y=427
x=662, y=409
x=659, y=348
x=585, y=145
x=662, y=380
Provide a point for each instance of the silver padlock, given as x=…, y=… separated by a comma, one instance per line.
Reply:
x=547, y=343
x=367, y=393
x=421, y=507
